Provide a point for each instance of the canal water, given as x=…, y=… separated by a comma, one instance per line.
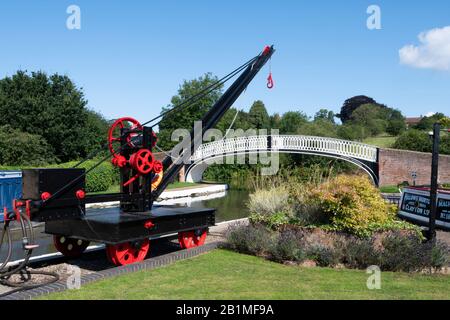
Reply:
x=230, y=205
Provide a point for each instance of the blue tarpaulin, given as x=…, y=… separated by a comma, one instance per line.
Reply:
x=10, y=188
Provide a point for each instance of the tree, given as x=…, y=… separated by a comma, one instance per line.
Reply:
x=96, y=130
x=258, y=116
x=324, y=114
x=354, y=132
x=396, y=127
x=319, y=128
x=291, y=121
x=426, y=123
x=414, y=140
x=20, y=148
x=275, y=121
x=51, y=107
x=371, y=117
x=195, y=111
x=351, y=105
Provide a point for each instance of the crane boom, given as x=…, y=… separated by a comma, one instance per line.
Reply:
x=213, y=116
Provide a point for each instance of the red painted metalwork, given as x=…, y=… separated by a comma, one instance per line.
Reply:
x=127, y=253
x=69, y=247
x=45, y=196
x=157, y=166
x=120, y=124
x=80, y=194
x=266, y=50
x=189, y=239
x=149, y=224
x=142, y=161
x=270, y=83
x=119, y=161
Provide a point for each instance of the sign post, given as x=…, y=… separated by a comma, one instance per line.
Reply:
x=414, y=177
x=434, y=182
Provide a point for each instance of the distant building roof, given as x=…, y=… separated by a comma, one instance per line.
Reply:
x=413, y=120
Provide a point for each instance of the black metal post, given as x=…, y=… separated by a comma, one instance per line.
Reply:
x=434, y=182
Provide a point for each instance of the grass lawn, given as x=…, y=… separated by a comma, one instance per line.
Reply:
x=383, y=141
x=389, y=189
x=223, y=274
x=177, y=185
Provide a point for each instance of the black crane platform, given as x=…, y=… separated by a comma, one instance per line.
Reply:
x=112, y=226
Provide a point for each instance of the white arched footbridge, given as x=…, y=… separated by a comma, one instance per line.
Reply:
x=362, y=155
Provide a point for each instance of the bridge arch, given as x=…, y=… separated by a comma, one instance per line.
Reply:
x=359, y=154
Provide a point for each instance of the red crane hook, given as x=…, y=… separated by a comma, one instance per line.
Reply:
x=270, y=81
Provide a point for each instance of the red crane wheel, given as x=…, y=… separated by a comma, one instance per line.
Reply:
x=127, y=253
x=114, y=132
x=142, y=161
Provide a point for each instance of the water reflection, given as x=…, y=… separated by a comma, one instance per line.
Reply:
x=230, y=204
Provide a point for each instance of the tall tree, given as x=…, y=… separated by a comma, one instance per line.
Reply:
x=291, y=121
x=185, y=119
x=324, y=114
x=351, y=105
x=258, y=116
x=51, y=107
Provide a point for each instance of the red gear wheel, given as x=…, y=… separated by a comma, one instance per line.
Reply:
x=142, y=161
x=70, y=247
x=191, y=239
x=128, y=252
x=114, y=132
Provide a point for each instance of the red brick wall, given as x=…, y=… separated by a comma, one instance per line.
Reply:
x=396, y=166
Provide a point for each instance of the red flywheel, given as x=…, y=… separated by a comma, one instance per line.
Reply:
x=114, y=133
x=128, y=252
x=192, y=239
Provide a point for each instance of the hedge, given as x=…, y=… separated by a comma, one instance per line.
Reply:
x=99, y=179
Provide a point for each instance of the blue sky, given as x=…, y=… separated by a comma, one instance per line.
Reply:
x=130, y=57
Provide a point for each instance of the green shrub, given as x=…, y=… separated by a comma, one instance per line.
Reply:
x=324, y=256
x=273, y=221
x=407, y=253
x=252, y=239
x=361, y=253
x=414, y=140
x=287, y=248
x=268, y=202
x=270, y=207
x=391, y=251
x=440, y=255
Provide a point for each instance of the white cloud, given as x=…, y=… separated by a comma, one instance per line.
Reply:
x=433, y=52
x=430, y=114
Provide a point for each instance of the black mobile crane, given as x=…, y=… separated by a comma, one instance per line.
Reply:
x=57, y=196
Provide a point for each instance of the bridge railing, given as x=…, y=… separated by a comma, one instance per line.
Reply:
x=297, y=143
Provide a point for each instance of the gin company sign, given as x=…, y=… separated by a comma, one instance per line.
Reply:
x=415, y=207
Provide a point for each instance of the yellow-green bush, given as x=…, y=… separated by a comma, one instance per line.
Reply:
x=352, y=204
